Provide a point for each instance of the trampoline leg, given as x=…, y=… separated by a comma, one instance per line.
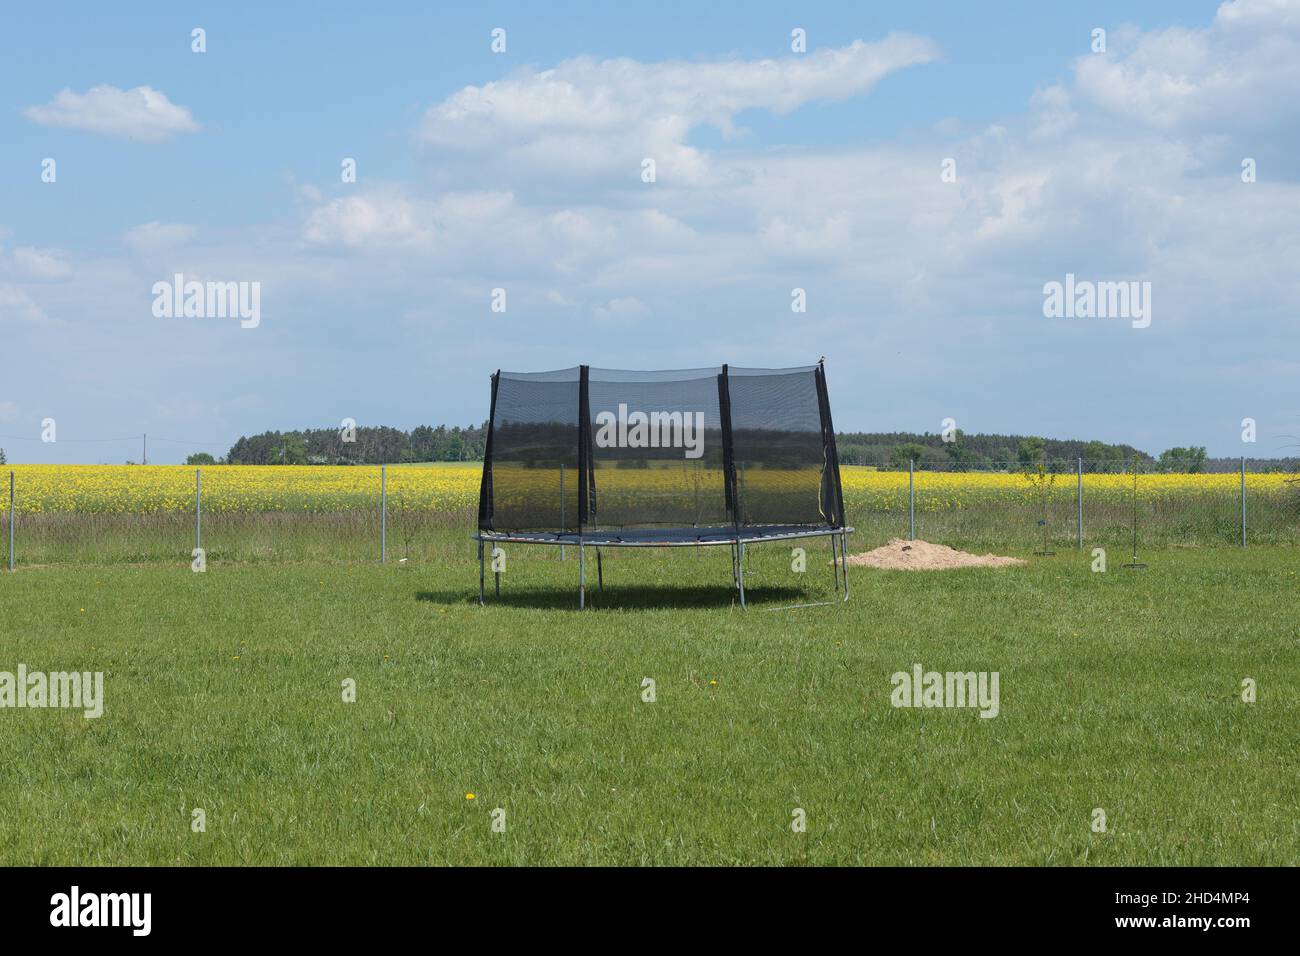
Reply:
x=497, y=575
x=480, y=572
x=582, y=575
x=835, y=560
x=740, y=578
x=600, y=574
x=844, y=547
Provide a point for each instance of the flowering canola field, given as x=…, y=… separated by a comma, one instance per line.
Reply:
x=953, y=491
x=156, y=489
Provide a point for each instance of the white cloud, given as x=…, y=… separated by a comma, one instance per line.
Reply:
x=18, y=308
x=369, y=221
x=588, y=117
x=142, y=113
x=665, y=229
x=578, y=229
x=622, y=311
x=820, y=239
x=1240, y=73
x=41, y=265
x=155, y=236
x=1267, y=14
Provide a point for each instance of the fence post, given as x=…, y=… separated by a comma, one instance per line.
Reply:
x=1080, y=496
x=11, y=521
x=383, y=514
x=911, y=500
x=1243, y=501
x=198, y=510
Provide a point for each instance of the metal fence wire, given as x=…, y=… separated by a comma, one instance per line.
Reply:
x=399, y=514
x=1037, y=508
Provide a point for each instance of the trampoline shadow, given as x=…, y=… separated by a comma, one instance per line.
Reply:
x=626, y=597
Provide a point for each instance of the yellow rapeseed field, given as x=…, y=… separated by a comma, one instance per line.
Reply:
x=152, y=489
x=944, y=491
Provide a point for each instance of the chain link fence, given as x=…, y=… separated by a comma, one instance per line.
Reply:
x=400, y=513
x=1040, y=508
x=147, y=514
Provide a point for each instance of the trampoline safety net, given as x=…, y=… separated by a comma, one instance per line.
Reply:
x=596, y=449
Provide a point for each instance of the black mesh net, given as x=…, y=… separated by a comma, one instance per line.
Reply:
x=776, y=430
x=698, y=448
x=657, y=448
x=530, y=472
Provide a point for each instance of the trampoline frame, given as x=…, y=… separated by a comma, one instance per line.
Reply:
x=712, y=537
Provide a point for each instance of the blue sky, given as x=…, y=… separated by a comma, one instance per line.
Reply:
x=775, y=170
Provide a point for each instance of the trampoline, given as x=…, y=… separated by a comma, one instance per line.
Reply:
x=604, y=458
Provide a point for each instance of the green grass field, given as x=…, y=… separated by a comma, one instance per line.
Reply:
x=1119, y=690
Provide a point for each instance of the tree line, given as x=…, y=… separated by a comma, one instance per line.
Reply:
x=893, y=451
x=362, y=445
x=378, y=444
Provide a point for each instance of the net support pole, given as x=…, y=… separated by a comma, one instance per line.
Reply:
x=383, y=514
x=11, y=521
x=562, y=516
x=740, y=571
x=832, y=491
x=1079, y=496
x=730, y=482
x=485, y=494
x=584, y=476
x=844, y=548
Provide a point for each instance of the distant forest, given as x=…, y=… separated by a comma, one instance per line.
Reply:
x=893, y=451
x=888, y=450
x=369, y=445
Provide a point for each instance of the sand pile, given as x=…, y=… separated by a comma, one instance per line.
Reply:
x=900, y=555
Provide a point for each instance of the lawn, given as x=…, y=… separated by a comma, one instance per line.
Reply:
x=1119, y=690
